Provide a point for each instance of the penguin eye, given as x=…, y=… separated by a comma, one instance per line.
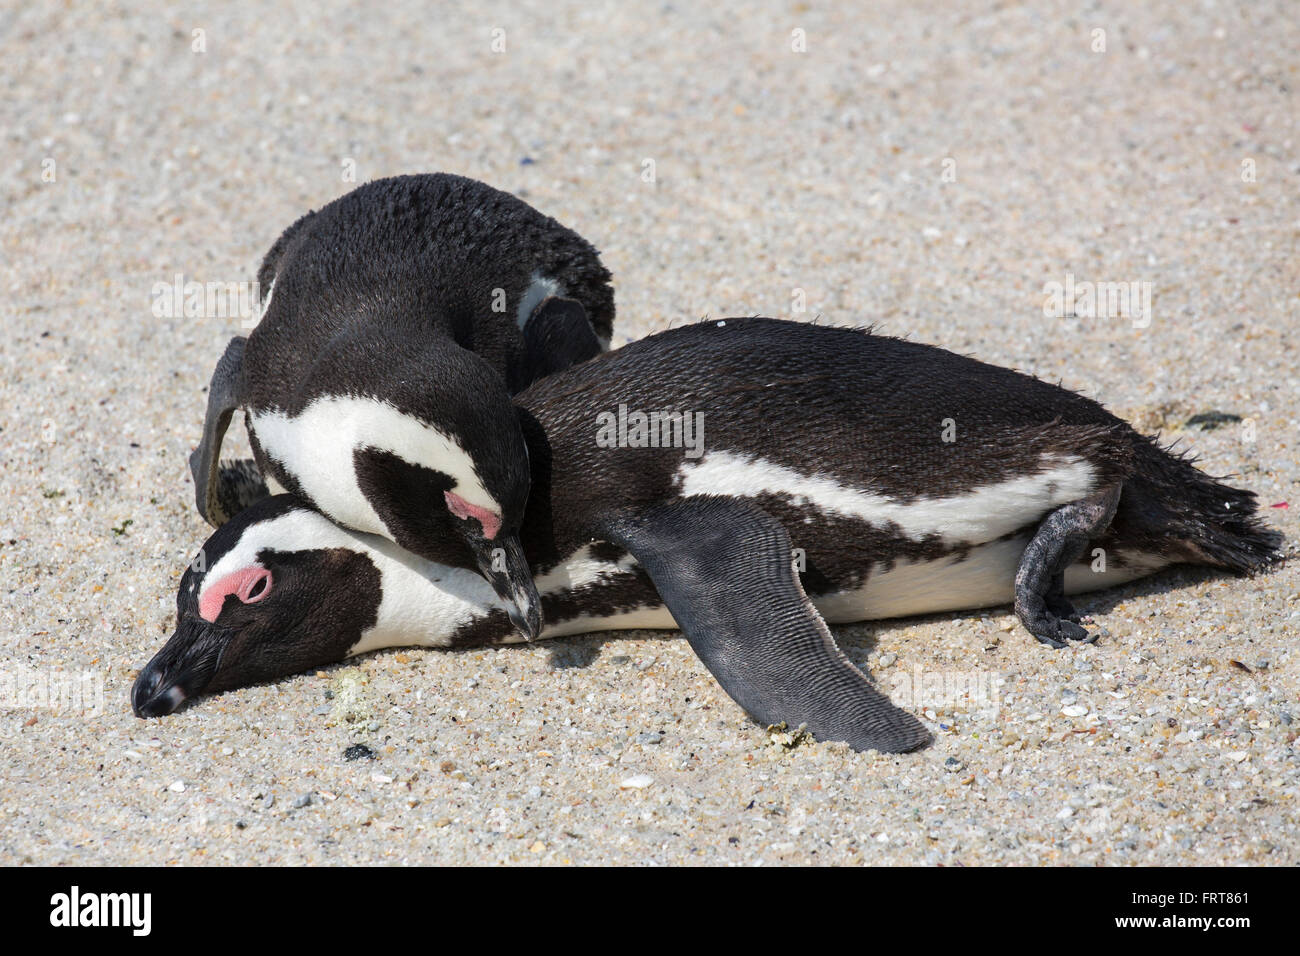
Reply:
x=255, y=587
x=250, y=585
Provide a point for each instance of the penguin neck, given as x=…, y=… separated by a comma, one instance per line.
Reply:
x=422, y=603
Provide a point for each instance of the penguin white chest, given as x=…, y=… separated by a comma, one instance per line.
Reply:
x=319, y=445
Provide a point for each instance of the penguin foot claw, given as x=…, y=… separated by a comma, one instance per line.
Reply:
x=1057, y=632
x=1058, y=605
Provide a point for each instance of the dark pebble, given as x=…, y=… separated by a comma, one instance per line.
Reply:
x=1212, y=420
x=357, y=751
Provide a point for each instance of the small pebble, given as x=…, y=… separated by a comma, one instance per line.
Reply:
x=953, y=765
x=268, y=801
x=302, y=800
x=1074, y=710
x=357, y=752
x=638, y=782
x=649, y=738
x=1210, y=420
x=177, y=787
x=887, y=660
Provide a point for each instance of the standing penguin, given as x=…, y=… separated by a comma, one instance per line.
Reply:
x=830, y=441
x=397, y=322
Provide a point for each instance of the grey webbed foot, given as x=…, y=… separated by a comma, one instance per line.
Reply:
x=1063, y=536
x=1051, y=624
x=1052, y=630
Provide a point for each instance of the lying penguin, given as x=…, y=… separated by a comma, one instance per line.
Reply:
x=897, y=478
x=377, y=382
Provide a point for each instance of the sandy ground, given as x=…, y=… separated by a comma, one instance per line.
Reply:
x=926, y=167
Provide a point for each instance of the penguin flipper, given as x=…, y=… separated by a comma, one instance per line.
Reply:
x=724, y=569
x=223, y=399
x=558, y=334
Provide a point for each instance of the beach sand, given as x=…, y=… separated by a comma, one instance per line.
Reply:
x=928, y=168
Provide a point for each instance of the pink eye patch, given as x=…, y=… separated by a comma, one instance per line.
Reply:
x=250, y=585
x=461, y=508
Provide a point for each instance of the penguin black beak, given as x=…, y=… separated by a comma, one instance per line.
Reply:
x=503, y=563
x=181, y=670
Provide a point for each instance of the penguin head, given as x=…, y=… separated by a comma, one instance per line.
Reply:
x=276, y=590
x=447, y=471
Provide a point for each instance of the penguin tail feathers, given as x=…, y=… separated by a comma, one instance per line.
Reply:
x=1202, y=520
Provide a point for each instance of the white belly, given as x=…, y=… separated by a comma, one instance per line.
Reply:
x=986, y=578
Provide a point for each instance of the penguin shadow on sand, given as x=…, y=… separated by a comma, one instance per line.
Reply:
x=1175, y=578
x=612, y=650
x=580, y=651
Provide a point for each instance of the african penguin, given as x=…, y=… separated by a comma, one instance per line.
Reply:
x=397, y=322
x=829, y=475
